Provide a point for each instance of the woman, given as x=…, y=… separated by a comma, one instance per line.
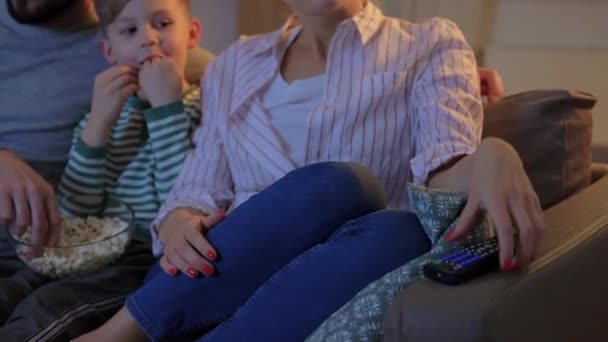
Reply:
x=284, y=113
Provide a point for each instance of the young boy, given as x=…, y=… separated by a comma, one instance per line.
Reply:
x=133, y=142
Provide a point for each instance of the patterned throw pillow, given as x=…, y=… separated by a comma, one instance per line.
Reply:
x=361, y=318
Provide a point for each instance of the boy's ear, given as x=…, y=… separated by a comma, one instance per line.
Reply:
x=194, y=33
x=106, y=51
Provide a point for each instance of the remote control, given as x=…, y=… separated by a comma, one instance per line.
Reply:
x=465, y=264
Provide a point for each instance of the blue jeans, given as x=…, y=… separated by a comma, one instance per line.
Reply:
x=289, y=257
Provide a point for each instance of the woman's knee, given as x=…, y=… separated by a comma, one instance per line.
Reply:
x=342, y=180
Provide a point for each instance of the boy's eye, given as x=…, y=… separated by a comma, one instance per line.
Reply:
x=165, y=23
x=129, y=31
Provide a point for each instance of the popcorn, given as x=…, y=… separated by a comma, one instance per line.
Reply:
x=87, y=247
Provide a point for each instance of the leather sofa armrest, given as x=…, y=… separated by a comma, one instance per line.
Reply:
x=560, y=297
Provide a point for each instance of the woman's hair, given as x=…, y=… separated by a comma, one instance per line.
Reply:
x=108, y=10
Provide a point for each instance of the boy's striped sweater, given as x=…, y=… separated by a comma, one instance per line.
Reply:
x=140, y=162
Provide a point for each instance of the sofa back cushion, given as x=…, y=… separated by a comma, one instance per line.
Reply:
x=551, y=130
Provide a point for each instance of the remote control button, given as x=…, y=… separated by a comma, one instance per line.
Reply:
x=462, y=257
x=453, y=256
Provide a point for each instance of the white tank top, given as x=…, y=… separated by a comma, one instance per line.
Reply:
x=289, y=106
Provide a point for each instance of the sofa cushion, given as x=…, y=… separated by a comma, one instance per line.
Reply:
x=551, y=130
x=198, y=59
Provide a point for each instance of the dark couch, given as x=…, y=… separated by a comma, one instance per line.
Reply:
x=563, y=295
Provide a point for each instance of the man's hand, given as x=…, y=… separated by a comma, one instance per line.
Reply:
x=182, y=233
x=491, y=84
x=27, y=200
x=160, y=81
x=111, y=90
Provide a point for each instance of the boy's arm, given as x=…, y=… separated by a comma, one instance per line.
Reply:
x=84, y=175
x=170, y=128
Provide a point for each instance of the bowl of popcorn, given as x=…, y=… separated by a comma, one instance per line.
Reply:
x=87, y=242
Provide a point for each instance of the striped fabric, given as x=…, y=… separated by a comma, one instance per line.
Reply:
x=400, y=98
x=141, y=161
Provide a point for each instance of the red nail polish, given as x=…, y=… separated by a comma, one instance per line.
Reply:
x=507, y=266
x=208, y=270
x=173, y=271
x=211, y=256
x=221, y=212
x=192, y=272
x=450, y=236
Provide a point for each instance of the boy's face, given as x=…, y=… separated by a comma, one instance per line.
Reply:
x=147, y=29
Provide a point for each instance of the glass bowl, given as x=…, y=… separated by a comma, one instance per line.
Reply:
x=86, y=243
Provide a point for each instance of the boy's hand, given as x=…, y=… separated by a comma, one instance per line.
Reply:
x=161, y=82
x=182, y=234
x=111, y=90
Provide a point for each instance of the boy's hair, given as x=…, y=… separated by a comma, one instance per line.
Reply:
x=108, y=10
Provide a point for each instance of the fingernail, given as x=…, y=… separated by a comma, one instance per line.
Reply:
x=173, y=271
x=450, y=236
x=208, y=270
x=192, y=272
x=507, y=266
x=211, y=256
x=221, y=212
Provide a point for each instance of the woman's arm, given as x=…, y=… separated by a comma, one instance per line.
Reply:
x=449, y=155
x=204, y=185
x=495, y=180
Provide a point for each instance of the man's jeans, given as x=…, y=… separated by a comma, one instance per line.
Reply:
x=289, y=258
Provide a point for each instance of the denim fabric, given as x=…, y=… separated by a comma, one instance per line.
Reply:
x=297, y=299
x=289, y=257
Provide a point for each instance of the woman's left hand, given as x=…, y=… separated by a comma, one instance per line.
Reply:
x=500, y=186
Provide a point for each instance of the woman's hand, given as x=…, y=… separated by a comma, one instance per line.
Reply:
x=182, y=233
x=499, y=185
